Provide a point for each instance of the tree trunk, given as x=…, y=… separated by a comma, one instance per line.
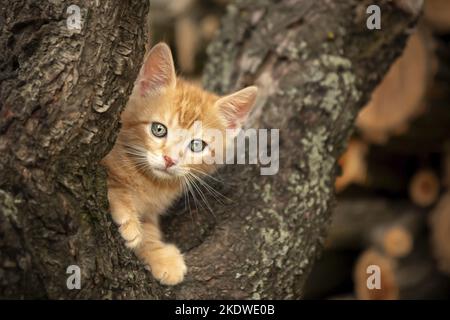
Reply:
x=60, y=97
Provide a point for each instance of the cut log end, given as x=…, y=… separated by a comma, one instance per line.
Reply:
x=187, y=39
x=353, y=164
x=397, y=242
x=396, y=238
x=412, y=277
x=209, y=26
x=424, y=188
x=399, y=97
x=388, y=289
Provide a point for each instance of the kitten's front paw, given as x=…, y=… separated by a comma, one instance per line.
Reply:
x=167, y=265
x=131, y=231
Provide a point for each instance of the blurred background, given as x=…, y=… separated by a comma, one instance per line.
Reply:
x=393, y=195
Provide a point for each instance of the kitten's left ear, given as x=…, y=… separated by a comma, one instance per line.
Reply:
x=236, y=107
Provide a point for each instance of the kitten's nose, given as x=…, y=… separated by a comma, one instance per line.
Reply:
x=168, y=161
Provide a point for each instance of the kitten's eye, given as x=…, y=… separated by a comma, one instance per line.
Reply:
x=198, y=145
x=159, y=130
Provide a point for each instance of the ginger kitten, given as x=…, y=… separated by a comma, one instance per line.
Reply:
x=150, y=162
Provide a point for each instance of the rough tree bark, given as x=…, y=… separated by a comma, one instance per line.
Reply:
x=60, y=98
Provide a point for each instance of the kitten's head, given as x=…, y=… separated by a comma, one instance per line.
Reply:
x=172, y=128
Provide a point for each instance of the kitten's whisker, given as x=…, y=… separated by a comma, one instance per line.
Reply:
x=192, y=189
x=206, y=184
x=202, y=196
x=200, y=192
x=128, y=164
x=212, y=190
x=137, y=158
x=206, y=174
x=188, y=183
x=187, y=205
x=216, y=195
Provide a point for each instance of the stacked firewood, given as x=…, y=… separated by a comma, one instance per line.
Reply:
x=187, y=26
x=393, y=208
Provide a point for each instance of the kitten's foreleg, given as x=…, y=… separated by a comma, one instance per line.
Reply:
x=165, y=260
x=125, y=216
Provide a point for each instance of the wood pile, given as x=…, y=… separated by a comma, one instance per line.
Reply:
x=393, y=209
x=187, y=26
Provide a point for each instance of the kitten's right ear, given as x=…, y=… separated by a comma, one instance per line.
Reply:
x=235, y=107
x=158, y=71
